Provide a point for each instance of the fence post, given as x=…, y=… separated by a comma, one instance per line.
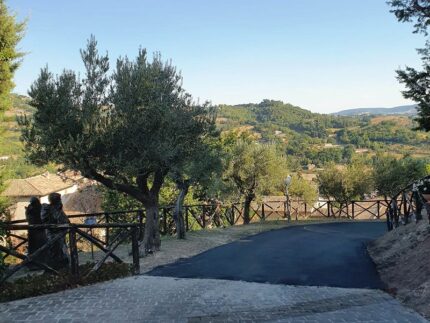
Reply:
x=263, y=216
x=353, y=215
x=107, y=229
x=306, y=207
x=232, y=215
x=74, y=260
x=141, y=231
x=187, y=225
x=164, y=221
x=328, y=208
x=377, y=210
x=135, y=250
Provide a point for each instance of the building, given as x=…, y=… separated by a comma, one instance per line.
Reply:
x=19, y=191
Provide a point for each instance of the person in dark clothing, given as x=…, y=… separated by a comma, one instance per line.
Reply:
x=36, y=237
x=53, y=213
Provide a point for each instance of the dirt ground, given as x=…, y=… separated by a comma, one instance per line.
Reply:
x=402, y=257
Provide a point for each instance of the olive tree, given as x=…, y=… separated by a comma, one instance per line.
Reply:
x=345, y=184
x=254, y=169
x=200, y=167
x=124, y=129
x=392, y=174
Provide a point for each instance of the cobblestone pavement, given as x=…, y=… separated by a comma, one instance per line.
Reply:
x=165, y=299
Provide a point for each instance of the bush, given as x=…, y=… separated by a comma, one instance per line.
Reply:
x=46, y=283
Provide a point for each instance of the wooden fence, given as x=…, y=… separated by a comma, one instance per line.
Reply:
x=73, y=233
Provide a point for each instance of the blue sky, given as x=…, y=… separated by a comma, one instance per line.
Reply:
x=323, y=55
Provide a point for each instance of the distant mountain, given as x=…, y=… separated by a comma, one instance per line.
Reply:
x=403, y=109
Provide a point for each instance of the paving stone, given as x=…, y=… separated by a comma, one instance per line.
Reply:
x=165, y=299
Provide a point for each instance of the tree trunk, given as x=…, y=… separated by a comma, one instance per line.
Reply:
x=152, y=241
x=152, y=234
x=247, y=207
x=178, y=214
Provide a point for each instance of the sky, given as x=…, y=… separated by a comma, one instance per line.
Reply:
x=321, y=55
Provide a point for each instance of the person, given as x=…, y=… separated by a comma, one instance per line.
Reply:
x=36, y=237
x=53, y=213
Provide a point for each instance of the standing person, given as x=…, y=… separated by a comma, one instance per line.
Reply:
x=53, y=213
x=36, y=237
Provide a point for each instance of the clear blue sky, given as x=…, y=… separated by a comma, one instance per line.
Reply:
x=323, y=55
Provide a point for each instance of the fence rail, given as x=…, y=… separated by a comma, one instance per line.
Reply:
x=74, y=233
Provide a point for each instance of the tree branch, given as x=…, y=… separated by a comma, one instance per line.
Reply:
x=124, y=188
x=158, y=180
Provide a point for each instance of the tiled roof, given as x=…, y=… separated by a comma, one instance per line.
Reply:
x=40, y=185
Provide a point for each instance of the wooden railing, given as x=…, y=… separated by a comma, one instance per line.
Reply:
x=74, y=233
x=408, y=204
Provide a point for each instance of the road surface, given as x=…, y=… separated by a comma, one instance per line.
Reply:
x=329, y=254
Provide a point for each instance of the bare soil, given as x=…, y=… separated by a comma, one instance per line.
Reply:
x=402, y=257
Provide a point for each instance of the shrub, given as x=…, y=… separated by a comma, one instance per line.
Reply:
x=46, y=283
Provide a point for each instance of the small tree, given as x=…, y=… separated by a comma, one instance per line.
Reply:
x=202, y=164
x=126, y=130
x=391, y=174
x=11, y=32
x=255, y=169
x=345, y=184
x=303, y=189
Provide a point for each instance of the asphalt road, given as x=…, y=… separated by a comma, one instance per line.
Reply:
x=329, y=254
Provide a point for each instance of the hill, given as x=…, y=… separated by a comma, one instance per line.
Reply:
x=403, y=109
x=312, y=138
x=12, y=162
x=304, y=136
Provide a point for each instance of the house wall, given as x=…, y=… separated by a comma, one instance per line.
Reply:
x=18, y=208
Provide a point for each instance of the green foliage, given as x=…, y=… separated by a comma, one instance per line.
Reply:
x=125, y=130
x=112, y=200
x=255, y=169
x=345, y=184
x=11, y=32
x=269, y=116
x=391, y=174
x=48, y=283
x=303, y=189
x=417, y=84
x=412, y=10
x=416, y=81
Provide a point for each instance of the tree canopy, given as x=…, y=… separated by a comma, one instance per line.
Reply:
x=254, y=170
x=416, y=82
x=416, y=11
x=125, y=130
x=347, y=183
x=392, y=174
x=11, y=32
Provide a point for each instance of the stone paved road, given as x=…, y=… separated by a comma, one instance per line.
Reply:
x=165, y=299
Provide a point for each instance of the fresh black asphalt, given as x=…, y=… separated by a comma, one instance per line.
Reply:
x=329, y=254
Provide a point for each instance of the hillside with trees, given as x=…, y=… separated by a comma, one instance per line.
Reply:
x=312, y=138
